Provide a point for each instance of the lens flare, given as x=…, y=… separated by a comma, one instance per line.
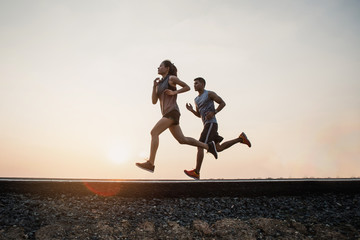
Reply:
x=105, y=189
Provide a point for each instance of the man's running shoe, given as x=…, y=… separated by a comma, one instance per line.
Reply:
x=193, y=174
x=244, y=139
x=212, y=149
x=146, y=166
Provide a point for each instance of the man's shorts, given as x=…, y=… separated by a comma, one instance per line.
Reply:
x=173, y=115
x=210, y=133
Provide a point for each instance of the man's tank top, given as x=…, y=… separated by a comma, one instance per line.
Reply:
x=167, y=102
x=205, y=105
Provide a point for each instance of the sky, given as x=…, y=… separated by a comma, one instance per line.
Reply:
x=76, y=80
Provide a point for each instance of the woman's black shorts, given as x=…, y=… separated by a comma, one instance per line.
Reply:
x=173, y=115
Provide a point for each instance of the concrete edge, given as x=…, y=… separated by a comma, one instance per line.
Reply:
x=180, y=188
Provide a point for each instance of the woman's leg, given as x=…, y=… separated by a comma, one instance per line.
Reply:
x=179, y=136
x=160, y=126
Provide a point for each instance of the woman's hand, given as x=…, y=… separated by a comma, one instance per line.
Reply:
x=156, y=82
x=154, y=97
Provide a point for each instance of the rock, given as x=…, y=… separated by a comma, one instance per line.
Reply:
x=12, y=233
x=79, y=231
x=105, y=231
x=269, y=226
x=298, y=227
x=324, y=233
x=54, y=232
x=174, y=231
x=145, y=230
x=233, y=229
x=202, y=227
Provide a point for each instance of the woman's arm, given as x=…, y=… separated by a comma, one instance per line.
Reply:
x=173, y=81
x=154, y=96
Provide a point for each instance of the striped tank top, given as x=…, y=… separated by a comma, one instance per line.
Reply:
x=205, y=105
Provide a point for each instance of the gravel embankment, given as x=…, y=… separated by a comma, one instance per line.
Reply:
x=69, y=216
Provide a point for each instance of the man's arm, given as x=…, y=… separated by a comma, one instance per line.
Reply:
x=191, y=109
x=216, y=98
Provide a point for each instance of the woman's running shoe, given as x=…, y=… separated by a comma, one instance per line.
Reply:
x=146, y=166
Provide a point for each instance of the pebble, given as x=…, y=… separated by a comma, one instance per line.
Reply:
x=64, y=216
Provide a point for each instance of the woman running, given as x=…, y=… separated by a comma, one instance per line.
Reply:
x=165, y=91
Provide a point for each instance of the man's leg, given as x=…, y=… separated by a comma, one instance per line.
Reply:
x=227, y=144
x=195, y=173
x=241, y=139
x=199, y=159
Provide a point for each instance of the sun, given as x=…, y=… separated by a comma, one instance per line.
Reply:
x=119, y=154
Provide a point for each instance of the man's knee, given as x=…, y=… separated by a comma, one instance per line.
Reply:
x=200, y=149
x=182, y=140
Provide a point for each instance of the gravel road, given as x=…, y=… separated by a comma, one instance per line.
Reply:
x=71, y=216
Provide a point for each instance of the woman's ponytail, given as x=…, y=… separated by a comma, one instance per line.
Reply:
x=171, y=66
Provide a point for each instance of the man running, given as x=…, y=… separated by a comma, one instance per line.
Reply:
x=205, y=109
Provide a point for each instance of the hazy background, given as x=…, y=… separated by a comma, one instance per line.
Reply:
x=76, y=80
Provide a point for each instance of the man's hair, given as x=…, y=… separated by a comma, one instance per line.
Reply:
x=200, y=79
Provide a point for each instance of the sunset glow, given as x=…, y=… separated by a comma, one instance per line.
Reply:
x=119, y=154
x=76, y=79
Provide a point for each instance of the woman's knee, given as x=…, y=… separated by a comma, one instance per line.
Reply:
x=154, y=133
